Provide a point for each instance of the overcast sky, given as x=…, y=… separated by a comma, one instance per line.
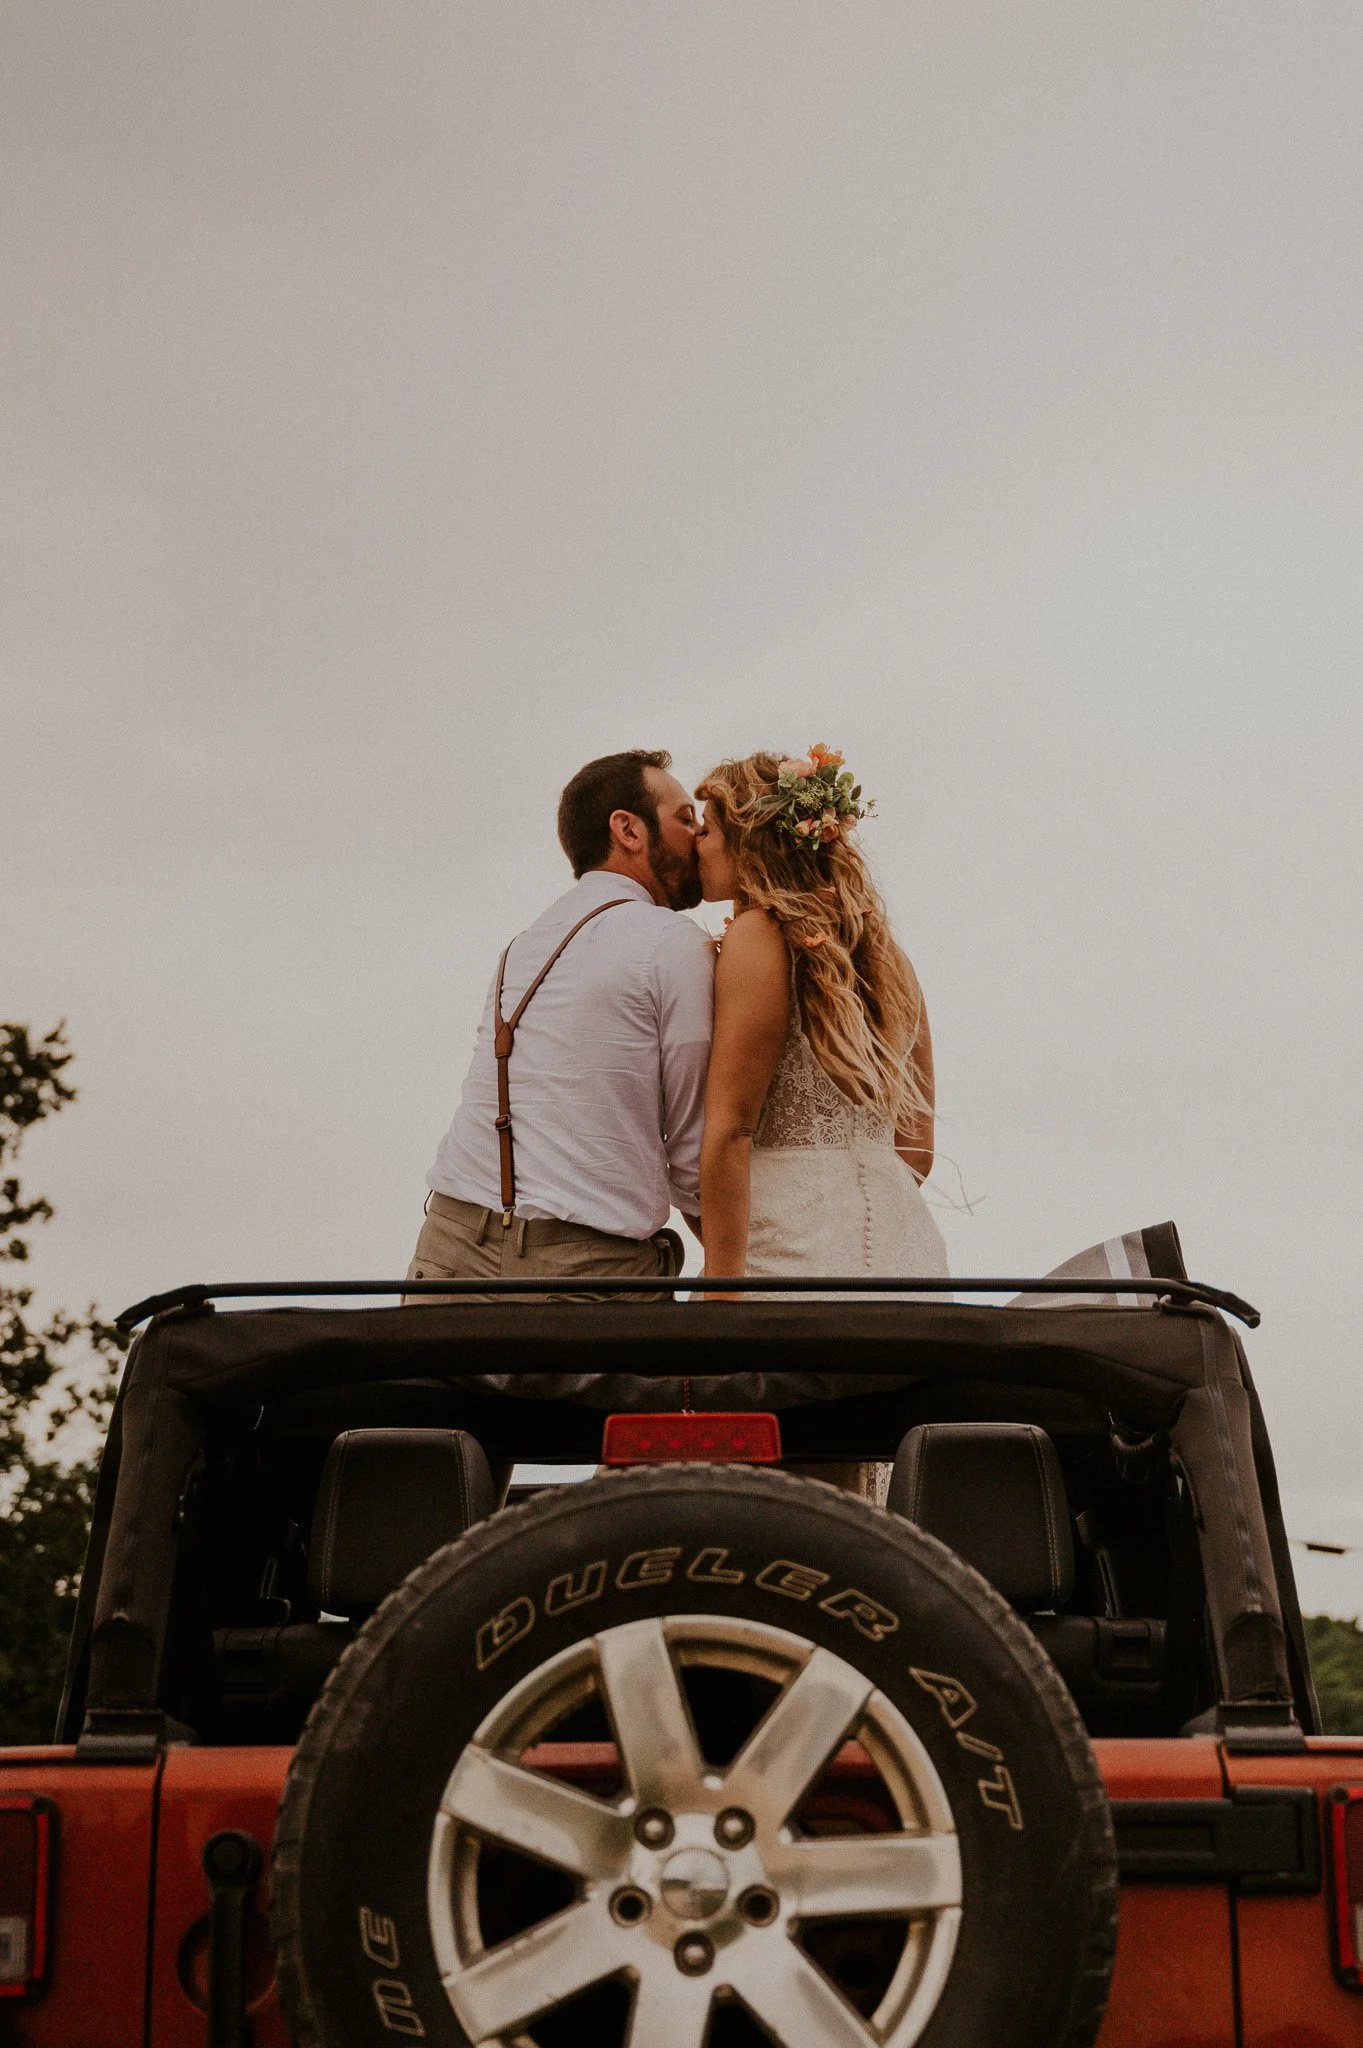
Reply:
x=404, y=402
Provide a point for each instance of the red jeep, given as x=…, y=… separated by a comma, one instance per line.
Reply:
x=1023, y=1754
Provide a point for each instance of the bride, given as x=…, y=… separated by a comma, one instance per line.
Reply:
x=819, y=1107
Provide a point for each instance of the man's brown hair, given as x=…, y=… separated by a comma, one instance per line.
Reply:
x=614, y=783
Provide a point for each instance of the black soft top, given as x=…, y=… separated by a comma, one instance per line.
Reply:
x=534, y=1382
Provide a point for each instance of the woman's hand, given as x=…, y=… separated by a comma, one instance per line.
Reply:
x=752, y=1014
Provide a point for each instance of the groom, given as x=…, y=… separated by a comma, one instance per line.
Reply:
x=580, y=1121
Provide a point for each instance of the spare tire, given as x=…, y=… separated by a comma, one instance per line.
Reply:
x=952, y=1883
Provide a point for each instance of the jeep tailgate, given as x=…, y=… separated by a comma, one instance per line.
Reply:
x=1173, y=1986
x=203, y=1791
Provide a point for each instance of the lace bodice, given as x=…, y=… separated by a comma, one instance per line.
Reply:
x=806, y=1109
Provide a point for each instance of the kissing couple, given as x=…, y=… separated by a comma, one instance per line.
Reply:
x=776, y=1087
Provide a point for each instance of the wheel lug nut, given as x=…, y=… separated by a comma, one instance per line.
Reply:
x=629, y=1906
x=758, y=1906
x=694, y=1954
x=733, y=1827
x=653, y=1827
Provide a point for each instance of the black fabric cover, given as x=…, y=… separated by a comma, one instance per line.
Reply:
x=1172, y=1369
x=388, y=1498
x=642, y=1355
x=269, y=1677
x=993, y=1491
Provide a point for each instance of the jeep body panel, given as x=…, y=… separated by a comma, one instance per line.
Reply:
x=106, y=1814
x=203, y=1791
x=1290, y=1996
x=1180, y=1944
x=1173, y=1986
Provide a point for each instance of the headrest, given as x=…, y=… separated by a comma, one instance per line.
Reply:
x=993, y=1491
x=388, y=1498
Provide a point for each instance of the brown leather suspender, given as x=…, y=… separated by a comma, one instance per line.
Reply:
x=505, y=1028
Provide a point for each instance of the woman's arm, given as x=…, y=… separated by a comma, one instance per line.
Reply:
x=915, y=1136
x=752, y=1013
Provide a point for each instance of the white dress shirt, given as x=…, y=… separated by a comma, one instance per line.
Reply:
x=607, y=1072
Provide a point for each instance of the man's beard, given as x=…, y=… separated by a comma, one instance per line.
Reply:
x=677, y=876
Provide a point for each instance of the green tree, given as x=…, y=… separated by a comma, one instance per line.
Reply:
x=57, y=1381
x=1336, y=1650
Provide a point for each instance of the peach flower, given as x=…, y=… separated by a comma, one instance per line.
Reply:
x=804, y=769
x=825, y=757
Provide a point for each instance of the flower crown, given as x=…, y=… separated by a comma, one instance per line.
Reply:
x=816, y=802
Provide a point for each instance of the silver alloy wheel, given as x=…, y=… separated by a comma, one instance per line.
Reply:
x=706, y=1906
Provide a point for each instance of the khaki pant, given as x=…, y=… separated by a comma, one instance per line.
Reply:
x=460, y=1241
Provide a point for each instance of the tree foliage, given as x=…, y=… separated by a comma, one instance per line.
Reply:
x=1336, y=1649
x=57, y=1380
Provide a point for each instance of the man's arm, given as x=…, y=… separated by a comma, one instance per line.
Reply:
x=684, y=985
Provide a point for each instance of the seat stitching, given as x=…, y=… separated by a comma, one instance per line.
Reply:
x=329, y=1541
x=918, y=1481
x=1048, y=1510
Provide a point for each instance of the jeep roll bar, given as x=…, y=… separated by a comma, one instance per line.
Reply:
x=1182, y=1293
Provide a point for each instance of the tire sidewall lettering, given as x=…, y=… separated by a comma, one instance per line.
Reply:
x=787, y=1577
x=392, y=1996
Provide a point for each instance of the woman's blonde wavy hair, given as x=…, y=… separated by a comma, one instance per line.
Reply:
x=860, y=998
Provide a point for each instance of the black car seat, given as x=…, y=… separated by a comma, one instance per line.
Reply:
x=994, y=1492
x=387, y=1499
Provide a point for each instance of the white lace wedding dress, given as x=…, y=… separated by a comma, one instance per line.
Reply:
x=830, y=1195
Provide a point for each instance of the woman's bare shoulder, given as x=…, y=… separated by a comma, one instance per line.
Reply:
x=754, y=942
x=754, y=927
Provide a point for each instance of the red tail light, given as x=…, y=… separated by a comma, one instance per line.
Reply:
x=691, y=1439
x=27, y=1832
x=1346, y=1866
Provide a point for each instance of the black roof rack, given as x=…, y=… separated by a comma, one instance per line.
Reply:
x=1182, y=1293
